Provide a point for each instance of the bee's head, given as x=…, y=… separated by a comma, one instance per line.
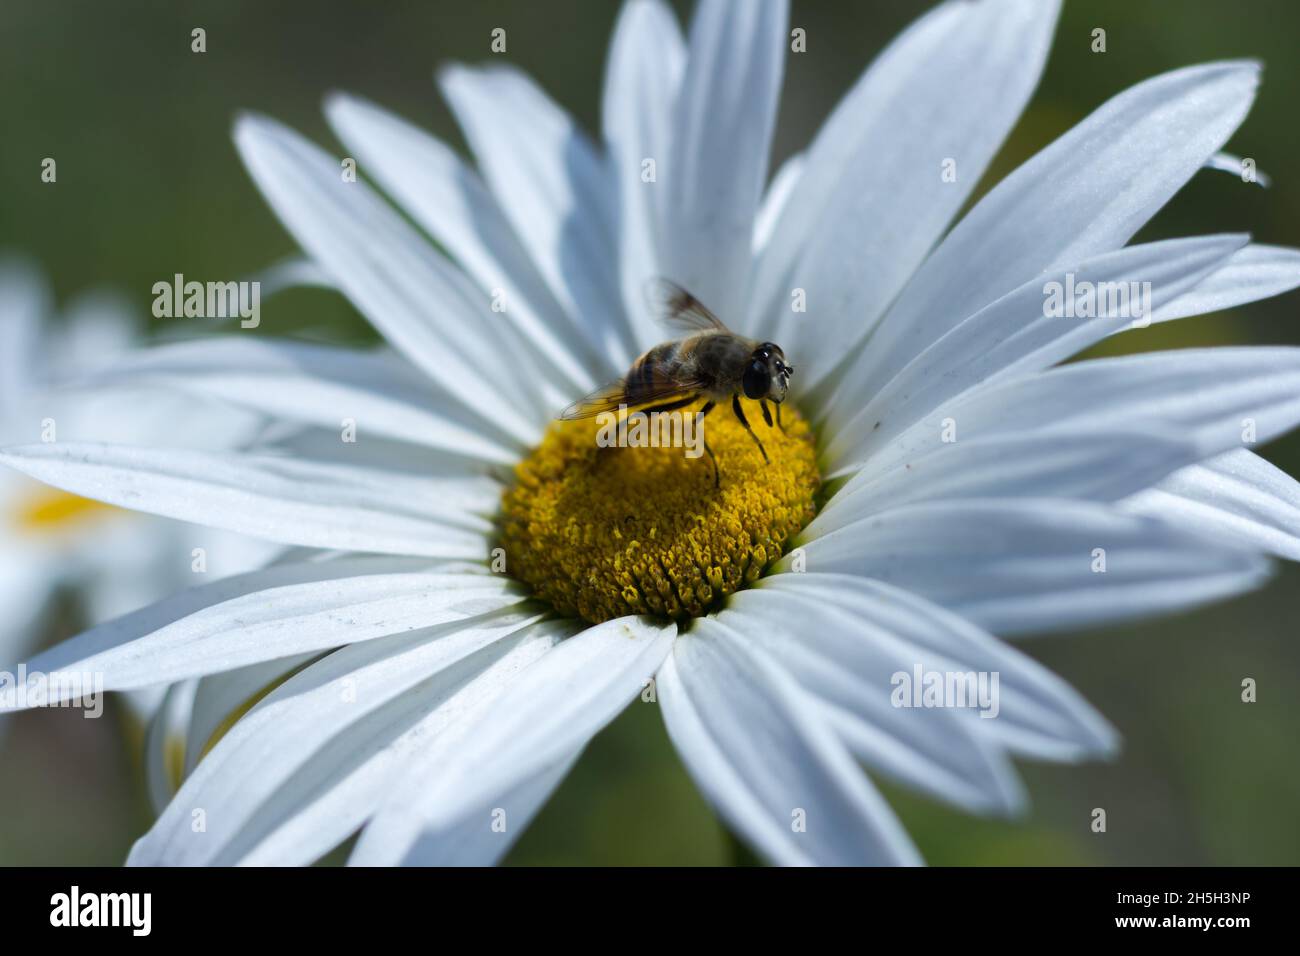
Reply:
x=767, y=375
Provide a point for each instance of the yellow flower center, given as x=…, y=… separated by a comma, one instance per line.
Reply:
x=49, y=509
x=601, y=532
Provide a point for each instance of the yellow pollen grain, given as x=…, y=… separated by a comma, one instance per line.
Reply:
x=601, y=533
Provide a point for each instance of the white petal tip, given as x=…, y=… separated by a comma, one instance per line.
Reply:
x=337, y=100
x=249, y=120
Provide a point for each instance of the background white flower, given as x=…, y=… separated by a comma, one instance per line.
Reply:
x=111, y=560
x=454, y=697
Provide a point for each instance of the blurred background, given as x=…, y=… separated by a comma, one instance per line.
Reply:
x=149, y=185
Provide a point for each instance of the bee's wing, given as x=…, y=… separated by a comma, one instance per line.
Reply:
x=609, y=397
x=678, y=309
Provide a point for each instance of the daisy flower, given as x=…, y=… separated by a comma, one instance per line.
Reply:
x=112, y=559
x=482, y=589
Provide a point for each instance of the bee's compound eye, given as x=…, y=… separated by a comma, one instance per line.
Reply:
x=756, y=381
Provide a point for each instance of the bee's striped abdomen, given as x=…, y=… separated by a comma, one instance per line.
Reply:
x=647, y=377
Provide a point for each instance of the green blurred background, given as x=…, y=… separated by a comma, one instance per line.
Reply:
x=150, y=185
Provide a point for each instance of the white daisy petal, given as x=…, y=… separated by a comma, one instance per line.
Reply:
x=642, y=77
x=219, y=696
x=24, y=300
x=184, y=603
x=541, y=719
x=27, y=590
x=447, y=198
x=1255, y=272
x=1023, y=332
x=762, y=753
x=1095, y=466
x=98, y=327
x=394, y=277
x=352, y=775
x=318, y=385
x=775, y=199
x=710, y=183
x=278, y=622
x=1022, y=566
x=1238, y=496
x=160, y=735
x=948, y=90
x=936, y=751
x=874, y=630
x=552, y=185
x=286, y=439
x=475, y=840
x=293, y=272
x=344, y=692
x=317, y=504
x=1206, y=395
x=1086, y=193
x=1228, y=163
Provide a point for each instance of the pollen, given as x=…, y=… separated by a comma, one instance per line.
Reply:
x=601, y=531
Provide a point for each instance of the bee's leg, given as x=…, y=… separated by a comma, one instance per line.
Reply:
x=778, y=418
x=767, y=416
x=735, y=407
x=671, y=406
x=708, y=407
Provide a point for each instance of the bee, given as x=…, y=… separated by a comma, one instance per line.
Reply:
x=709, y=361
